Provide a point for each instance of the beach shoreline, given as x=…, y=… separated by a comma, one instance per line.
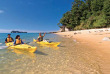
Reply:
x=92, y=37
x=97, y=39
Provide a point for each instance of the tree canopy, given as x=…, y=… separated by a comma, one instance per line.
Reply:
x=87, y=14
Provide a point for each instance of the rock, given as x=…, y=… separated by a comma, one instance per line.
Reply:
x=74, y=40
x=79, y=32
x=106, y=39
x=106, y=30
x=75, y=33
x=89, y=32
x=101, y=30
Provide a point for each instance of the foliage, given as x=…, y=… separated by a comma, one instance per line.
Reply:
x=87, y=14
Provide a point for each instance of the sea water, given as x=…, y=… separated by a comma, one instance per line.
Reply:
x=68, y=58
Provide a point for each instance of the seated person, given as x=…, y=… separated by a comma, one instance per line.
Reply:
x=40, y=38
x=9, y=39
x=18, y=40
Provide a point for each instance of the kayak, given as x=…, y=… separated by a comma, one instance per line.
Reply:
x=9, y=44
x=24, y=47
x=47, y=43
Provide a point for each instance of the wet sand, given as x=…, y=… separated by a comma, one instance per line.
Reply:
x=93, y=39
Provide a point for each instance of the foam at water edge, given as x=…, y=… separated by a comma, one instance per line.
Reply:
x=3, y=47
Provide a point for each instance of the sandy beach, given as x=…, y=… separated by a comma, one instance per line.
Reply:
x=97, y=39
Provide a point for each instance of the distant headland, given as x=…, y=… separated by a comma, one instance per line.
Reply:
x=17, y=32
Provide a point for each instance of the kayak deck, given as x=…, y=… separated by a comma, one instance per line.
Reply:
x=9, y=44
x=24, y=47
x=47, y=43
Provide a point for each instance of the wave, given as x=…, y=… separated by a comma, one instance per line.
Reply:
x=3, y=47
x=0, y=43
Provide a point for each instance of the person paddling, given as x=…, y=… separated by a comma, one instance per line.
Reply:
x=18, y=40
x=9, y=39
x=40, y=38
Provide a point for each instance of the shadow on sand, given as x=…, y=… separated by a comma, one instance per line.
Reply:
x=40, y=53
x=61, y=46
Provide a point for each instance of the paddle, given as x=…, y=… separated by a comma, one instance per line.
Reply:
x=4, y=47
x=49, y=39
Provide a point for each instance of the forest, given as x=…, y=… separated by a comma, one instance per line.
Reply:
x=87, y=14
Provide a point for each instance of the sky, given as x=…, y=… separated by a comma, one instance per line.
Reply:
x=32, y=15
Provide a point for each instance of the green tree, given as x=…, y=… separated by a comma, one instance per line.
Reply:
x=86, y=14
x=106, y=10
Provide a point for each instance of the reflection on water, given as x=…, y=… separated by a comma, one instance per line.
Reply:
x=48, y=47
x=21, y=52
x=68, y=58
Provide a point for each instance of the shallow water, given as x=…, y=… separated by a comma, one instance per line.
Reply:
x=69, y=58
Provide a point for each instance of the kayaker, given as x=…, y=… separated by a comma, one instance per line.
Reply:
x=9, y=39
x=18, y=40
x=40, y=38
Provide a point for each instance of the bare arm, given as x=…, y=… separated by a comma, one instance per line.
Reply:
x=6, y=40
x=44, y=34
x=37, y=40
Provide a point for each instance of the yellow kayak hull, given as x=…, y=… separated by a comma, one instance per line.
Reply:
x=24, y=47
x=47, y=43
x=9, y=44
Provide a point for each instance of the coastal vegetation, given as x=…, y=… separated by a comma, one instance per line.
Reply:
x=17, y=32
x=87, y=14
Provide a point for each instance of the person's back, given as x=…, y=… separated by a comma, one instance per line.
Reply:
x=9, y=39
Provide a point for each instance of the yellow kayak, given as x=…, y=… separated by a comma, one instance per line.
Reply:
x=24, y=47
x=47, y=43
x=9, y=44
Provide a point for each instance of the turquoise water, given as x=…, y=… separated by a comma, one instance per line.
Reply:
x=27, y=37
x=69, y=58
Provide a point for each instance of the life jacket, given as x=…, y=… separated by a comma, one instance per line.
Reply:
x=9, y=39
x=40, y=38
x=18, y=41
